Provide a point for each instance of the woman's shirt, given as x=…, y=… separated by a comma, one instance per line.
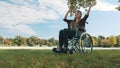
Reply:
x=81, y=23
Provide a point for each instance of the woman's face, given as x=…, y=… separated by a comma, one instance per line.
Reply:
x=78, y=14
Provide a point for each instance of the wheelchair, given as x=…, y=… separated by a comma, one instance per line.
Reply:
x=80, y=44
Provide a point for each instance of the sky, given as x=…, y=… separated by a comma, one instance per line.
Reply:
x=44, y=18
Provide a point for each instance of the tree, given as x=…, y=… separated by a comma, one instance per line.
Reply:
x=41, y=42
x=100, y=38
x=73, y=5
x=52, y=41
x=24, y=41
x=47, y=42
x=32, y=41
x=19, y=40
x=1, y=40
x=95, y=41
x=7, y=41
x=56, y=42
x=117, y=41
x=118, y=8
x=112, y=41
x=109, y=41
x=105, y=43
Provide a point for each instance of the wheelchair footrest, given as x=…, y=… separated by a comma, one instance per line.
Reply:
x=62, y=50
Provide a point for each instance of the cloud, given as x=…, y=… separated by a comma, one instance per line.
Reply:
x=17, y=15
x=12, y=17
x=102, y=5
x=59, y=6
x=18, y=29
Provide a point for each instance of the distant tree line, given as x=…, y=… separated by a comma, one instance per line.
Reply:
x=100, y=41
x=31, y=41
x=111, y=41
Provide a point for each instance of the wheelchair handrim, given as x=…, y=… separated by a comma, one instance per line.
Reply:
x=83, y=46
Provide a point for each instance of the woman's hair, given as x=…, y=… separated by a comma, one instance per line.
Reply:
x=74, y=19
x=79, y=11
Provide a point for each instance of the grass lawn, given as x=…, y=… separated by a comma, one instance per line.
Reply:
x=49, y=59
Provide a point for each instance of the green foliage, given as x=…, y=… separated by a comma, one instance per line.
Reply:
x=118, y=41
x=112, y=40
x=95, y=41
x=53, y=41
x=73, y=5
x=18, y=40
x=109, y=41
x=106, y=43
x=118, y=8
x=100, y=41
x=8, y=42
x=1, y=40
x=32, y=41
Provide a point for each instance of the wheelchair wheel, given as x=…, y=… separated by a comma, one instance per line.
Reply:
x=85, y=43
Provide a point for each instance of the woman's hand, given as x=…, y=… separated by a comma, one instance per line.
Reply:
x=67, y=14
x=93, y=4
x=90, y=8
x=68, y=11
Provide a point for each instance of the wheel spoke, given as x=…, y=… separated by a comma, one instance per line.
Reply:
x=86, y=43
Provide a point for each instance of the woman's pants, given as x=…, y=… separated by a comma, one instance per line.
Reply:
x=64, y=35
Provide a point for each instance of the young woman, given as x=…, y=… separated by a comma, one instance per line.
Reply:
x=77, y=24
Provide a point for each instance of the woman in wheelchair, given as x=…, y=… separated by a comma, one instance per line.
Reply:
x=78, y=24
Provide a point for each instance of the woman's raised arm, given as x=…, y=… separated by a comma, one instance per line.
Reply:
x=66, y=15
x=88, y=12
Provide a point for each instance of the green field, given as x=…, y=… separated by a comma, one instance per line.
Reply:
x=48, y=59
